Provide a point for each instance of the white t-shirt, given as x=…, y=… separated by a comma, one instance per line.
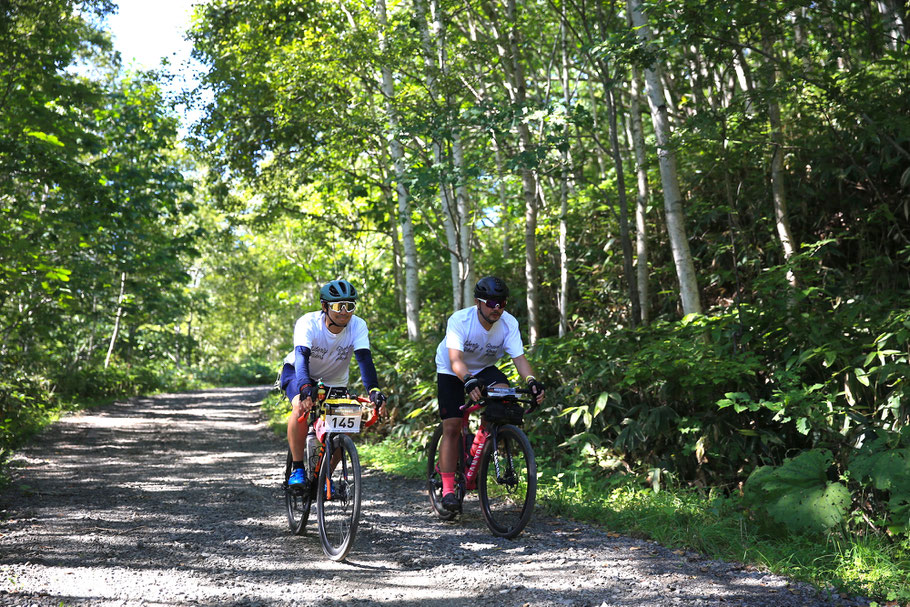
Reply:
x=481, y=348
x=330, y=354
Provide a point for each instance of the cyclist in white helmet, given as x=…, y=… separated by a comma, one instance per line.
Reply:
x=324, y=342
x=476, y=338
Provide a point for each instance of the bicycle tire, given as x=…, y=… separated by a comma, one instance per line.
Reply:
x=507, y=498
x=434, y=479
x=297, y=502
x=338, y=511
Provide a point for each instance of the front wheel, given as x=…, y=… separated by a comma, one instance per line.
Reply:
x=507, y=481
x=297, y=501
x=338, y=498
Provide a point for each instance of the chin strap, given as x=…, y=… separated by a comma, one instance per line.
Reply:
x=328, y=316
x=484, y=316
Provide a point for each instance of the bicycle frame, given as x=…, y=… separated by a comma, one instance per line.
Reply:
x=503, y=470
x=335, y=489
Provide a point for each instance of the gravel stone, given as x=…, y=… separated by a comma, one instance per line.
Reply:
x=176, y=499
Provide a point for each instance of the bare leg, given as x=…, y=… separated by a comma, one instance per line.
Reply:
x=297, y=431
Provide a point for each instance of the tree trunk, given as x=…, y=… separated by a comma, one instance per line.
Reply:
x=564, y=188
x=673, y=207
x=510, y=60
x=624, y=237
x=465, y=223
x=641, y=203
x=528, y=180
x=894, y=25
x=430, y=61
x=396, y=256
x=116, y=331
x=778, y=188
x=412, y=304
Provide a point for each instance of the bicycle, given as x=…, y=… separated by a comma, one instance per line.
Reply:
x=333, y=475
x=504, y=469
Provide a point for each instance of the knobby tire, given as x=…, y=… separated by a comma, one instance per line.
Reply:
x=297, y=501
x=507, y=500
x=338, y=514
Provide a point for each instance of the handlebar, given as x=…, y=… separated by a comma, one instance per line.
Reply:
x=512, y=394
x=319, y=407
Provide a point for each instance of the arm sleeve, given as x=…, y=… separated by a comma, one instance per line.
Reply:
x=302, y=365
x=367, y=369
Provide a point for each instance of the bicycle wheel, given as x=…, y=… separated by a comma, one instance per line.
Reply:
x=297, y=501
x=434, y=479
x=338, y=498
x=507, y=481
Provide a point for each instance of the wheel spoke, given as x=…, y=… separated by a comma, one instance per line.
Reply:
x=338, y=500
x=507, y=482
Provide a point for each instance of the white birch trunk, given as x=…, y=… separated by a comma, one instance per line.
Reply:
x=412, y=307
x=116, y=331
x=641, y=202
x=778, y=188
x=673, y=207
x=564, y=191
x=528, y=179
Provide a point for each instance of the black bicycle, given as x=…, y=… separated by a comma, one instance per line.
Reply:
x=333, y=475
x=503, y=471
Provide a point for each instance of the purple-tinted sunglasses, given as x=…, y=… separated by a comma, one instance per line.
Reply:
x=493, y=304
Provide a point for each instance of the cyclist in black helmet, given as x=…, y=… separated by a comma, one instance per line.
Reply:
x=476, y=338
x=324, y=342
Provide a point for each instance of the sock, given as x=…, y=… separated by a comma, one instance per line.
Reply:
x=448, y=482
x=296, y=465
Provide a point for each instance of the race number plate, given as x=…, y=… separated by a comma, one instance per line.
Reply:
x=344, y=424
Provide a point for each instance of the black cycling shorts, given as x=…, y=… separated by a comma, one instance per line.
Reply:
x=450, y=390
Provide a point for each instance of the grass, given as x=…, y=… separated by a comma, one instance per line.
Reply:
x=714, y=525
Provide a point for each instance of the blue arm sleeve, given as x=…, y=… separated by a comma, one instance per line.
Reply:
x=367, y=369
x=302, y=365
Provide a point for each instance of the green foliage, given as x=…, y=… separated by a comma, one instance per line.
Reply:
x=798, y=494
x=882, y=468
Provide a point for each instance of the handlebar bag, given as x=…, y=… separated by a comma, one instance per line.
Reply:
x=503, y=412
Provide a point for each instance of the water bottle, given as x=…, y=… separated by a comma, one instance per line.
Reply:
x=479, y=439
x=469, y=441
x=312, y=449
x=476, y=447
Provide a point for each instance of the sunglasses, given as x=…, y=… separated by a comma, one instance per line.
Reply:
x=342, y=306
x=493, y=304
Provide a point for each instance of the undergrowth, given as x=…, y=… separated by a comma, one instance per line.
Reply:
x=713, y=525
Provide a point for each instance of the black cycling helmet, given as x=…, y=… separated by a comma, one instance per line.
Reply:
x=490, y=287
x=338, y=290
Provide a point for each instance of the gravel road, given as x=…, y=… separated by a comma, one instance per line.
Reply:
x=175, y=500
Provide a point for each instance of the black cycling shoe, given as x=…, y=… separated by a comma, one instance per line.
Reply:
x=450, y=502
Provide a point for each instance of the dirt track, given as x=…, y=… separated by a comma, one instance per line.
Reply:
x=176, y=500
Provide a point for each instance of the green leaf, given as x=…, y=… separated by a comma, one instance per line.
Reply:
x=798, y=494
x=51, y=139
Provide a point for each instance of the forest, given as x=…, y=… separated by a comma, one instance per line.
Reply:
x=702, y=210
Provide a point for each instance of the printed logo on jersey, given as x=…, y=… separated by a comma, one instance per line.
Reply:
x=344, y=353
x=492, y=349
x=318, y=352
x=471, y=346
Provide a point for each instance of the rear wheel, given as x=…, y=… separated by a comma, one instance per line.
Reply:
x=434, y=478
x=338, y=498
x=507, y=481
x=297, y=500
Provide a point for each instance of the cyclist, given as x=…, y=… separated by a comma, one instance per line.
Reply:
x=324, y=342
x=475, y=339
